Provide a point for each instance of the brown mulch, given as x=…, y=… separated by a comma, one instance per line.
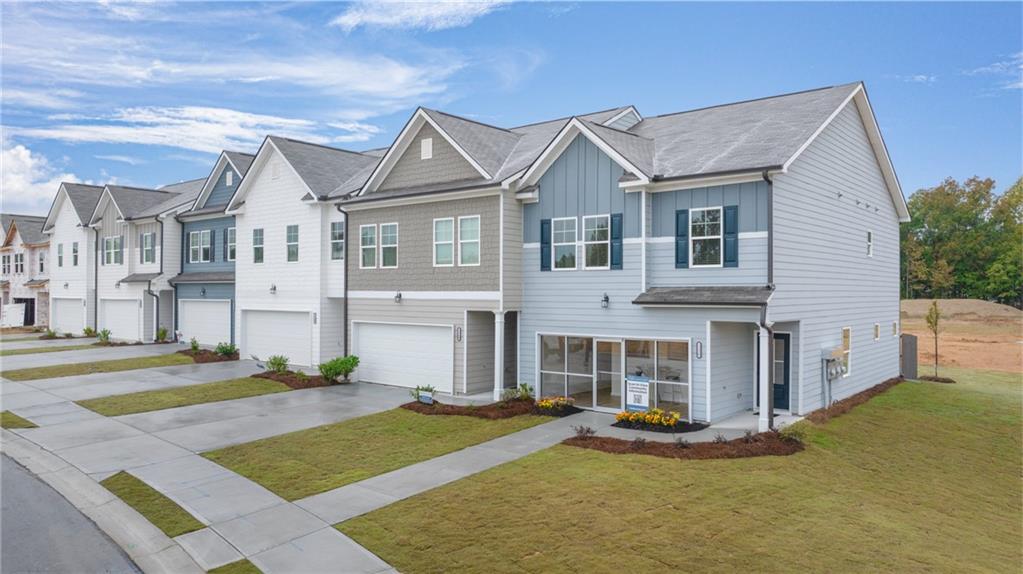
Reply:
x=498, y=410
x=681, y=427
x=847, y=404
x=294, y=380
x=934, y=379
x=208, y=356
x=117, y=343
x=763, y=444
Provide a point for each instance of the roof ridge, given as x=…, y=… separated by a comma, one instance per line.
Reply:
x=628, y=133
x=472, y=121
x=293, y=140
x=749, y=101
x=133, y=188
x=25, y=216
x=568, y=117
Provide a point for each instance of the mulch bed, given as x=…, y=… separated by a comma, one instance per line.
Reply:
x=562, y=412
x=208, y=356
x=117, y=343
x=934, y=379
x=293, y=379
x=681, y=427
x=763, y=444
x=847, y=404
x=498, y=410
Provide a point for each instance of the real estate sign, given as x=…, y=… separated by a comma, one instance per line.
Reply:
x=637, y=393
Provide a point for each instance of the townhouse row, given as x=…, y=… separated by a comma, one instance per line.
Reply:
x=717, y=255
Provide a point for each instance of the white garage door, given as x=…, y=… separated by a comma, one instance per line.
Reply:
x=287, y=333
x=121, y=316
x=405, y=355
x=68, y=316
x=208, y=321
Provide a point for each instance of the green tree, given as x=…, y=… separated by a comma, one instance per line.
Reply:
x=934, y=323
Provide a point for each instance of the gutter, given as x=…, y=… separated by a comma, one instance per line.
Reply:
x=344, y=305
x=95, y=279
x=768, y=402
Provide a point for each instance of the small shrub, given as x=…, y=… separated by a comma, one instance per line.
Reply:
x=50, y=334
x=720, y=439
x=277, y=364
x=338, y=367
x=414, y=393
x=793, y=433
x=226, y=349
x=68, y=335
x=583, y=431
x=104, y=336
x=161, y=334
x=89, y=332
x=638, y=443
x=682, y=443
x=301, y=376
x=749, y=437
x=194, y=344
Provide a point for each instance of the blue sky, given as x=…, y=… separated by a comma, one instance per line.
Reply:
x=147, y=94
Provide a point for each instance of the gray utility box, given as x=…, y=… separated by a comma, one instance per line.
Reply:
x=907, y=356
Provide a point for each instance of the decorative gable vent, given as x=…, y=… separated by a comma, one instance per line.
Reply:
x=426, y=148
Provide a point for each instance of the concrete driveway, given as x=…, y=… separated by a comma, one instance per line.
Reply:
x=43, y=343
x=84, y=355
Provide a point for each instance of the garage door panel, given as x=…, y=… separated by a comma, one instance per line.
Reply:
x=121, y=317
x=68, y=315
x=287, y=333
x=208, y=321
x=405, y=355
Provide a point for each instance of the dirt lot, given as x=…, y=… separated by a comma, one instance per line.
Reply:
x=975, y=334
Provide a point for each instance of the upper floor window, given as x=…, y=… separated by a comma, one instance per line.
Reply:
x=74, y=254
x=229, y=178
x=257, y=245
x=444, y=242
x=231, y=243
x=337, y=240
x=5, y=264
x=388, y=245
x=847, y=349
x=563, y=239
x=426, y=148
x=60, y=255
x=148, y=244
x=367, y=246
x=199, y=246
x=42, y=262
x=597, y=241
x=291, y=238
x=469, y=240
x=870, y=244
x=705, y=236
x=112, y=254
x=19, y=262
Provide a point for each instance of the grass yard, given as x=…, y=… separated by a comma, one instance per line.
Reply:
x=111, y=366
x=239, y=567
x=155, y=507
x=183, y=396
x=9, y=420
x=924, y=477
x=303, y=463
x=33, y=351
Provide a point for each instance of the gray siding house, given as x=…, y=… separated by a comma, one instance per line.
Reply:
x=723, y=254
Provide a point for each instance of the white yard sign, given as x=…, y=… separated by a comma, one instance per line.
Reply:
x=637, y=393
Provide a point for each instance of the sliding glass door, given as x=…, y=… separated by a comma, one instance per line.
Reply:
x=607, y=386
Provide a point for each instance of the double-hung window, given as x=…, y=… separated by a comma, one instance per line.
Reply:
x=19, y=262
x=60, y=255
x=148, y=254
x=705, y=237
x=563, y=235
x=444, y=242
x=597, y=241
x=74, y=254
x=257, y=245
x=367, y=246
x=388, y=245
x=337, y=240
x=42, y=262
x=847, y=349
x=5, y=264
x=112, y=250
x=199, y=246
x=232, y=243
x=469, y=240
x=870, y=244
x=291, y=238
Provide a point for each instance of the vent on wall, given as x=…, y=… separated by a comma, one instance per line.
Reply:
x=426, y=148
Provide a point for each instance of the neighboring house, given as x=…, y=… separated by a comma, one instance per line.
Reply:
x=204, y=287
x=72, y=257
x=721, y=253
x=25, y=267
x=289, y=271
x=133, y=225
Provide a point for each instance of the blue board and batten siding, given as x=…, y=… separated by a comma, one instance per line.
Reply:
x=221, y=192
x=218, y=256
x=751, y=198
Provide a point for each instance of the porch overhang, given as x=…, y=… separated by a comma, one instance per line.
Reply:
x=203, y=277
x=37, y=282
x=139, y=278
x=712, y=296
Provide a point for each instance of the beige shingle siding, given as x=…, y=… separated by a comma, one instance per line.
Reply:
x=447, y=164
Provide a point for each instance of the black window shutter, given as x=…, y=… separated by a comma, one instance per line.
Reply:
x=225, y=245
x=142, y=248
x=545, y=245
x=616, y=241
x=682, y=239
x=213, y=245
x=731, y=236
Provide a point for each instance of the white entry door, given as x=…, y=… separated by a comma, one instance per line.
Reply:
x=121, y=317
x=405, y=355
x=207, y=320
x=68, y=315
x=288, y=333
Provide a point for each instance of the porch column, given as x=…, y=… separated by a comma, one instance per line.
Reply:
x=498, y=354
x=764, y=380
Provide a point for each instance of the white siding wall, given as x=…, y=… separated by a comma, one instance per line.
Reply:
x=732, y=384
x=823, y=275
x=79, y=279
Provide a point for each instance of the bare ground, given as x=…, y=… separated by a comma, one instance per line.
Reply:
x=974, y=334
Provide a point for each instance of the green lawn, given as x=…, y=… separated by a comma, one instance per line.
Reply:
x=33, y=351
x=9, y=420
x=183, y=396
x=239, y=567
x=315, y=460
x=155, y=507
x=925, y=477
x=111, y=366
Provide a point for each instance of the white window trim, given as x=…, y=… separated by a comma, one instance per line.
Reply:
x=380, y=243
x=261, y=246
x=151, y=236
x=344, y=237
x=60, y=255
x=870, y=243
x=478, y=241
x=363, y=247
x=606, y=216
x=848, y=354
x=42, y=262
x=287, y=244
x=719, y=237
x=232, y=243
x=450, y=242
x=575, y=244
x=204, y=234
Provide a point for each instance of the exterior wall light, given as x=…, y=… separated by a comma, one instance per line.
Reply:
x=273, y=289
x=699, y=349
x=397, y=297
x=65, y=284
x=202, y=292
x=605, y=301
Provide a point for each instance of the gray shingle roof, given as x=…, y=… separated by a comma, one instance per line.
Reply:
x=140, y=277
x=737, y=296
x=322, y=168
x=134, y=202
x=638, y=150
x=489, y=146
x=184, y=193
x=242, y=161
x=30, y=227
x=84, y=198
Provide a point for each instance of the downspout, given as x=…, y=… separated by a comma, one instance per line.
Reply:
x=345, y=304
x=149, y=284
x=770, y=227
x=768, y=401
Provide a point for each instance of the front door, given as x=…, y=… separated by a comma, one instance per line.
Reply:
x=607, y=385
x=30, y=310
x=780, y=364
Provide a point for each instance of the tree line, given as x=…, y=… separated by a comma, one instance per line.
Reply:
x=964, y=241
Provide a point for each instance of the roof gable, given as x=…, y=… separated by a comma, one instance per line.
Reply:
x=229, y=160
x=28, y=227
x=81, y=197
x=133, y=202
x=631, y=152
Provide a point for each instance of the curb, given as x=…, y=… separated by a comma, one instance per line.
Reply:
x=151, y=550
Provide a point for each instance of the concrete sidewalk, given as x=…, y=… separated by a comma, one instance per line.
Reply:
x=44, y=343
x=34, y=360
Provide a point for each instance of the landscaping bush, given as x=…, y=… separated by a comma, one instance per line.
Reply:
x=655, y=420
x=226, y=349
x=277, y=364
x=582, y=431
x=161, y=334
x=89, y=332
x=104, y=336
x=49, y=334
x=555, y=406
x=523, y=392
x=194, y=345
x=420, y=389
x=68, y=335
x=338, y=367
x=793, y=433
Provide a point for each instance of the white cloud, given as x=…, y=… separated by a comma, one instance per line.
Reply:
x=357, y=131
x=29, y=180
x=414, y=15
x=1010, y=70
x=918, y=79
x=59, y=99
x=122, y=159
